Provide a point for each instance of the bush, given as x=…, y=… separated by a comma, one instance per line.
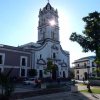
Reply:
x=94, y=78
x=32, y=72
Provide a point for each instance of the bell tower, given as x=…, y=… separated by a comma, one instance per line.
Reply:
x=48, y=25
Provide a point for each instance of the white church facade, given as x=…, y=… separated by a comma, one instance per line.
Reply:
x=36, y=55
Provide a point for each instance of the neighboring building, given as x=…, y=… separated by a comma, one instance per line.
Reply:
x=84, y=68
x=15, y=58
x=35, y=55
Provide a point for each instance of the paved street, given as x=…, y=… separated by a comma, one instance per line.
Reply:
x=66, y=96
x=59, y=96
x=22, y=88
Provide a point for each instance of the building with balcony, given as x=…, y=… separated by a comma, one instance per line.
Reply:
x=84, y=68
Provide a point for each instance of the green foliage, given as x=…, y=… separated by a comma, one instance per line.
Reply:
x=7, y=85
x=71, y=75
x=32, y=72
x=90, y=40
x=94, y=78
x=97, y=61
x=51, y=67
x=94, y=90
x=95, y=70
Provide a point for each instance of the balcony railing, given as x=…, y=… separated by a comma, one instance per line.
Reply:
x=80, y=67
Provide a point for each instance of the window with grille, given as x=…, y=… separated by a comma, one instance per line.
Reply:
x=2, y=58
x=23, y=61
x=1, y=62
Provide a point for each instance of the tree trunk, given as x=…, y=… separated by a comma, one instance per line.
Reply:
x=2, y=89
x=98, y=62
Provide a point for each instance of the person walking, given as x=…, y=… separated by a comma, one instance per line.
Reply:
x=88, y=87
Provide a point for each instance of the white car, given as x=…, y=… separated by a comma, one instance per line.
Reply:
x=30, y=81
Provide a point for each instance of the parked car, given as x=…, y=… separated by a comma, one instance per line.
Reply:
x=30, y=81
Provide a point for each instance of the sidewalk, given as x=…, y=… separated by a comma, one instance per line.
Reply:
x=82, y=87
x=17, y=90
x=80, y=81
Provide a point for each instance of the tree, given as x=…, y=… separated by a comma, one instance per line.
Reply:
x=32, y=72
x=96, y=70
x=90, y=40
x=7, y=85
x=51, y=67
x=71, y=73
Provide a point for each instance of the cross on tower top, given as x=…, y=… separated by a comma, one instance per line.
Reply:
x=48, y=1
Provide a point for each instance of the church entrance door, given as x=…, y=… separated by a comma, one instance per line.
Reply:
x=40, y=74
x=64, y=74
x=54, y=74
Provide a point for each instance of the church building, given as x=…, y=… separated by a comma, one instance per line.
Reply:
x=36, y=55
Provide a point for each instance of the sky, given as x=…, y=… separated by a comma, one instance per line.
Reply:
x=19, y=22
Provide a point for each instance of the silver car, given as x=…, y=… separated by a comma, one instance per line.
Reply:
x=30, y=81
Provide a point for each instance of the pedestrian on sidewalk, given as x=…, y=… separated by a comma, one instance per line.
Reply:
x=83, y=80
x=88, y=87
